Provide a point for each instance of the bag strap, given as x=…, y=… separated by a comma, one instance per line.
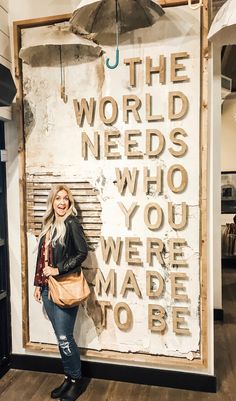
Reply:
x=46, y=252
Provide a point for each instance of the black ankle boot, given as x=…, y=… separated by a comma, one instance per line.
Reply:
x=57, y=392
x=77, y=386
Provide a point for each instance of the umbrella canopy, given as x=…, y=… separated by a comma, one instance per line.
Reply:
x=223, y=27
x=45, y=38
x=100, y=16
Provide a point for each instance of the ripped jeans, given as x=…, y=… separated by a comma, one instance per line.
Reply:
x=63, y=322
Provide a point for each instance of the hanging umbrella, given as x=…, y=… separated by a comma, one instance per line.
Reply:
x=223, y=27
x=42, y=43
x=100, y=16
x=46, y=37
x=109, y=16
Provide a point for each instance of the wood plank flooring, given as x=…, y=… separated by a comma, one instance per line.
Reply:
x=19, y=385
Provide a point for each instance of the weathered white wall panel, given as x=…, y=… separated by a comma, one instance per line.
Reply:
x=54, y=151
x=5, y=62
x=4, y=4
x=25, y=9
x=4, y=21
x=5, y=46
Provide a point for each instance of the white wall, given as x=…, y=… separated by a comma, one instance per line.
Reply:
x=26, y=9
x=5, y=54
x=214, y=175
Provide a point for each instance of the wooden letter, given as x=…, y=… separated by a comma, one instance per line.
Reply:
x=95, y=149
x=156, y=318
x=183, y=146
x=175, y=67
x=173, y=97
x=130, y=283
x=82, y=109
x=155, y=247
x=110, y=247
x=128, y=213
x=183, y=213
x=131, y=250
x=132, y=71
x=122, y=306
x=176, y=286
x=159, y=213
x=126, y=179
x=161, y=70
x=150, y=134
x=133, y=108
x=152, y=289
x=177, y=252
x=149, y=116
x=109, y=144
x=157, y=180
x=104, y=101
x=178, y=320
x=108, y=285
x=129, y=144
x=104, y=305
x=177, y=168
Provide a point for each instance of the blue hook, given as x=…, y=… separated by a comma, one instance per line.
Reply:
x=116, y=63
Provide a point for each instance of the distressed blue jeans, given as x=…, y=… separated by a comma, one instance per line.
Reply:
x=63, y=322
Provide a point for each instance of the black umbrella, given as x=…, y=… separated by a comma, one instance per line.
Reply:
x=100, y=16
x=109, y=16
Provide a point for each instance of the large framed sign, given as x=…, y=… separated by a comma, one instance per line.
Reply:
x=130, y=143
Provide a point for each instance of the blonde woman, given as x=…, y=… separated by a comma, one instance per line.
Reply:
x=67, y=249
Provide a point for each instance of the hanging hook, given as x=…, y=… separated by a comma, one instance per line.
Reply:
x=117, y=42
x=195, y=6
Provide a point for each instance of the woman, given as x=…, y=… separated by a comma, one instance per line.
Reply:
x=66, y=249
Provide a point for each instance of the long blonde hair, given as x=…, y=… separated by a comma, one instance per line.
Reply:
x=52, y=223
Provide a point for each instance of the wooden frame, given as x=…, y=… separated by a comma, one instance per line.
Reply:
x=110, y=355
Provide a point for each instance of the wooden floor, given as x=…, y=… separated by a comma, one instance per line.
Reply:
x=19, y=385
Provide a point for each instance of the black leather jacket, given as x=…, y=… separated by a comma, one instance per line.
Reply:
x=73, y=252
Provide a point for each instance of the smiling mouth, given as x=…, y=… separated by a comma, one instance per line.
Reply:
x=61, y=209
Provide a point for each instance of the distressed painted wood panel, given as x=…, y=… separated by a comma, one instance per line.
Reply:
x=128, y=142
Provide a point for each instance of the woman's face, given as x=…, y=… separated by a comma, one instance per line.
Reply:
x=61, y=203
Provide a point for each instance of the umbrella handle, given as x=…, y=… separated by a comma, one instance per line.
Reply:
x=116, y=63
x=63, y=94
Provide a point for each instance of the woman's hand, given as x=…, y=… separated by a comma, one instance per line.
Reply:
x=50, y=271
x=37, y=294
